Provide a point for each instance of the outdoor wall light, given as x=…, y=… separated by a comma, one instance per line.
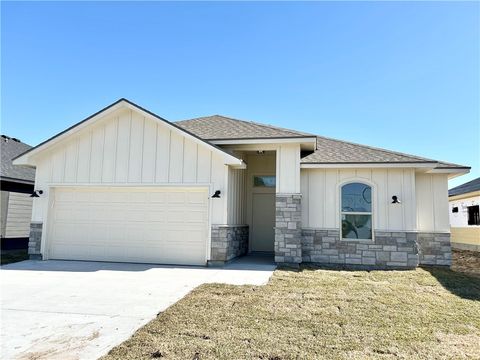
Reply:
x=217, y=194
x=395, y=200
x=37, y=193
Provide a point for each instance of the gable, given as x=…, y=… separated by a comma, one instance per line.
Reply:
x=127, y=147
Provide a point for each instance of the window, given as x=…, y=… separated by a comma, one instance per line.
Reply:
x=473, y=215
x=455, y=209
x=356, y=211
x=264, y=181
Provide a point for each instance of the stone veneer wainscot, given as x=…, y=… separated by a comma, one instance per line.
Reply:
x=228, y=242
x=388, y=249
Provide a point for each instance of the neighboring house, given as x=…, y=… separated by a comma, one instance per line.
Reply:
x=465, y=215
x=16, y=183
x=127, y=185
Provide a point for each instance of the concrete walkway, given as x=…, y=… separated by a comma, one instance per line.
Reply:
x=80, y=310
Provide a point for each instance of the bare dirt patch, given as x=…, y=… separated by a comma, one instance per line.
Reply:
x=466, y=261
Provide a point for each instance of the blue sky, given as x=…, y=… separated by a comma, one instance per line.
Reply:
x=403, y=76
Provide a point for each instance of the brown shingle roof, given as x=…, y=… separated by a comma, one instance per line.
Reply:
x=329, y=151
x=338, y=151
x=217, y=127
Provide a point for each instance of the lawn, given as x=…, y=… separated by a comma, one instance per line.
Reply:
x=315, y=313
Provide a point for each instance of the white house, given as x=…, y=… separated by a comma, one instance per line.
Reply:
x=465, y=215
x=128, y=185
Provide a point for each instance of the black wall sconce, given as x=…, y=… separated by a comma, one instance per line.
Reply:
x=37, y=193
x=395, y=200
x=217, y=194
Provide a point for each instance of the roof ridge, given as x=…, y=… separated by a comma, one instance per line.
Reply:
x=249, y=122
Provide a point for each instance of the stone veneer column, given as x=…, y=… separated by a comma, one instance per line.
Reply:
x=35, y=241
x=288, y=228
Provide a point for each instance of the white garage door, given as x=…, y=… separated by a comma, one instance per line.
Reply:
x=167, y=225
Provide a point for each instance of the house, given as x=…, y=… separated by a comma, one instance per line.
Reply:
x=16, y=184
x=127, y=185
x=464, y=201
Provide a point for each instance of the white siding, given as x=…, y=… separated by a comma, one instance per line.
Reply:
x=288, y=169
x=460, y=218
x=19, y=214
x=432, y=202
x=236, y=196
x=321, y=200
x=127, y=148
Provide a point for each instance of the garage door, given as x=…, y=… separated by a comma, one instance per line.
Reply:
x=167, y=225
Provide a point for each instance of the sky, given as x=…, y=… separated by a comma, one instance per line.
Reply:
x=398, y=75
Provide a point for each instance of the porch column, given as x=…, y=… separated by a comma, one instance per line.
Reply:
x=288, y=206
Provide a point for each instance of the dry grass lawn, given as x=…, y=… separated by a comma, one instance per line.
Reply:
x=316, y=313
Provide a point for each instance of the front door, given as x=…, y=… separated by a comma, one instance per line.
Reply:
x=263, y=216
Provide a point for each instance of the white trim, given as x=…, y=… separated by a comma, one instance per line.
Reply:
x=192, y=185
x=365, y=165
x=372, y=185
x=243, y=166
x=448, y=171
x=296, y=140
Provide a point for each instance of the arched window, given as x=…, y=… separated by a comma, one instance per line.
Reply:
x=356, y=211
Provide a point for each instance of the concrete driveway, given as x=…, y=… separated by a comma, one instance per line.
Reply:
x=80, y=310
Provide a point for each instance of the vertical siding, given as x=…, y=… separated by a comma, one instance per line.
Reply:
x=125, y=147
x=236, y=196
x=149, y=151
x=19, y=214
x=84, y=158
x=136, y=148
x=288, y=169
x=321, y=188
x=110, y=151
x=432, y=202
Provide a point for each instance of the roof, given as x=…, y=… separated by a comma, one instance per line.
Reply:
x=11, y=148
x=329, y=151
x=218, y=127
x=468, y=187
x=333, y=151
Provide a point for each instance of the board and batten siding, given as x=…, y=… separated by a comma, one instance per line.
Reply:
x=321, y=197
x=19, y=213
x=127, y=148
x=288, y=169
x=237, y=196
x=432, y=202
